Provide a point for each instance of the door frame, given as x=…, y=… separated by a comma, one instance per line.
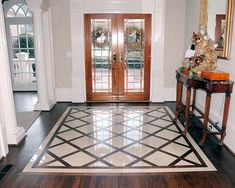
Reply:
x=116, y=46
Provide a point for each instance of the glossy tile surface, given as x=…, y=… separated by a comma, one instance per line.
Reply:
x=118, y=140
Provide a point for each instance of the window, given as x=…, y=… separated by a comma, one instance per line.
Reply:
x=20, y=35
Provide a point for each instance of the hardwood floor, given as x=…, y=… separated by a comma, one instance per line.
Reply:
x=187, y=180
x=19, y=156
x=25, y=100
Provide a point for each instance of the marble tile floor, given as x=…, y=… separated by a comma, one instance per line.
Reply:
x=121, y=139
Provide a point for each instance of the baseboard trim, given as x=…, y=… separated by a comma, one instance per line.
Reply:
x=2, y=158
x=15, y=139
x=228, y=139
x=15, y=145
x=44, y=106
x=63, y=94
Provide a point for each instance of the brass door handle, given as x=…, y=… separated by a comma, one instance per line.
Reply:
x=114, y=57
x=120, y=57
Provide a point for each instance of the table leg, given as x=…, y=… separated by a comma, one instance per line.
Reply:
x=178, y=98
x=225, y=118
x=187, y=110
x=194, y=99
x=206, y=119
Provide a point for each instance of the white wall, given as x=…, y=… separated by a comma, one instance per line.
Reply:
x=192, y=15
x=60, y=12
x=216, y=112
x=167, y=46
x=174, y=39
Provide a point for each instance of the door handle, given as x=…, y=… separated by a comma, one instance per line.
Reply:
x=120, y=57
x=114, y=57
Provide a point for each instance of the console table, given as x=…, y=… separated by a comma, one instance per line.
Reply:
x=195, y=82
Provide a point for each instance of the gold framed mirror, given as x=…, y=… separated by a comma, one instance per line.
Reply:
x=217, y=15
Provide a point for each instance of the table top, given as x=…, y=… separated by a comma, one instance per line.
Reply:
x=201, y=79
x=197, y=82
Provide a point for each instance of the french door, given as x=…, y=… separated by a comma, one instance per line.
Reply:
x=118, y=53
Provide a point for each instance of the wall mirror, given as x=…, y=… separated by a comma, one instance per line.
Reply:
x=217, y=15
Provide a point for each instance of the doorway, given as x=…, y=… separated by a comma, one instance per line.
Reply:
x=20, y=36
x=118, y=53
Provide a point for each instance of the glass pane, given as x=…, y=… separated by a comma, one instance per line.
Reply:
x=134, y=41
x=22, y=42
x=14, y=42
x=24, y=8
x=29, y=29
x=17, y=72
x=20, y=13
x=22, y=53
x=13, y=30
x=11, y=13
x=15, y=7
x=15, y=54
x=24, y=72
x=21, y=29
x=101, y=49
x=30, y=41
x=29, y=13
x=31, y=53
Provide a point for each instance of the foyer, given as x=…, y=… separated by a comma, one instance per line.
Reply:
x=117, y=56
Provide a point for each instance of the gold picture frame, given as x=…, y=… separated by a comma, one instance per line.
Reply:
x=224, y=51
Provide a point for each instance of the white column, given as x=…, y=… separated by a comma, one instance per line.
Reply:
x=44, y=103
x=49, y=56
x=14, y=134
x=3, y=141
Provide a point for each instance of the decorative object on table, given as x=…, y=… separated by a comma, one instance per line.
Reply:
x=215, y=75
x=186, y=71
x=204, y=56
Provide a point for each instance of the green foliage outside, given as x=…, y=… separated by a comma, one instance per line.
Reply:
x=22, y=43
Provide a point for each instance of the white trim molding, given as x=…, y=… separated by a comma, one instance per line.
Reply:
x=64, y=94
x=14, y=134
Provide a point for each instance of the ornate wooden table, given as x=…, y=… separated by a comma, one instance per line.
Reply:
x=195, y=82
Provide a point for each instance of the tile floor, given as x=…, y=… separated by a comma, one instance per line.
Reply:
x=129, y=139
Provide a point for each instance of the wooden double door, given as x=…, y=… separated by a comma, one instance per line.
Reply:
x=118, y=54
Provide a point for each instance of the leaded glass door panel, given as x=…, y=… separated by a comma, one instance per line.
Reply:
x=117, y=57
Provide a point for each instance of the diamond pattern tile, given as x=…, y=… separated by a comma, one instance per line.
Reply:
x=75, y=123
x=83, y=142
x=101, y=150
x=62, y=150
x=70, y=134
x=78, y=159
x=175, y=149
x=160, y=159
x=119, y=142
x=138, y=150
x=119, y=159
x=117, y=139
x=154, y=141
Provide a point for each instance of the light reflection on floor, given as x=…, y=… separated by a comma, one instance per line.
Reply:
x=118, y=139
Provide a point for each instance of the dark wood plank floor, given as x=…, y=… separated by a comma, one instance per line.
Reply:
x=24, y=100
x=19, y=156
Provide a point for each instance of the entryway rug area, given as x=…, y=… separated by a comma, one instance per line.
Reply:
x=26, y=119
x=123, y=139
